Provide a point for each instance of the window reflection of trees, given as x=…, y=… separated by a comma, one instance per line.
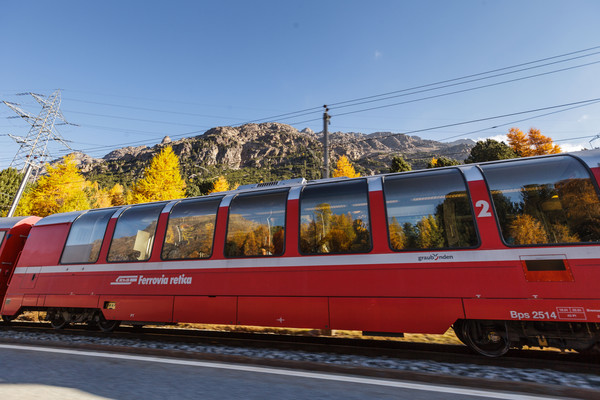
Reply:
x=190, y=230
x=256, y=225
x=335, y=218
x=552, y=201
x=134, y=233
x=567, y=212
x=428, y=211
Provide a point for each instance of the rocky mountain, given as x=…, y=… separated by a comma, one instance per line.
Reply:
x=270, y=151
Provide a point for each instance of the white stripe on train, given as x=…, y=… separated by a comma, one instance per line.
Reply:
x=428, y=259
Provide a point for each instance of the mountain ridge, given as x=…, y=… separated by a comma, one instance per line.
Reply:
x=275, y=146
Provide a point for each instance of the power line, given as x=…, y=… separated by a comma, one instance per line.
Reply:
x=345, y=103
x=467, y=90
x=573, y=105
x=480, y=74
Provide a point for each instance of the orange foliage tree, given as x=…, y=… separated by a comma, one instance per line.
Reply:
x=526, y=229
x=531, y=144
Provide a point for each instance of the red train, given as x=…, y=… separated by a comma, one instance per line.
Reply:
x=506, y=252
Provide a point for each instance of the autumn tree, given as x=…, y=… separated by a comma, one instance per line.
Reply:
x=397, y=236
x=98, y=197
x=61, y=190
x=117, y=195
x=220, y=185
x=344, y=168
x=399, y=164
x=525, y=229
x=430, y=233
x=162, y=179
x=531, y=144
x=490, y=150
x=442, y=162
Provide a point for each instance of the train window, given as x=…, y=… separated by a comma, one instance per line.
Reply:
x=544, y=201
x=429, y=210
x=2, y=234
x=85, y=237
x=191, y=229
x=134, y=233
x=256, y=225
x=334, y=218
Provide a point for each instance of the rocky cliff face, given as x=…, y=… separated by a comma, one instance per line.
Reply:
x=274, y=144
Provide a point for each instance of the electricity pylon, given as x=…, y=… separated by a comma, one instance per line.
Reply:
x=33, y=149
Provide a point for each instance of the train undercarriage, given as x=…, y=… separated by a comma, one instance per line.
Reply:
x=491, y=338
x=494, y=338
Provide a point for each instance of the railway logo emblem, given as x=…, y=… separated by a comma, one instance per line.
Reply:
x=125, y=280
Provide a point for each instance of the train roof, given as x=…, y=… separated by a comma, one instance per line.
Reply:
x=9, y=222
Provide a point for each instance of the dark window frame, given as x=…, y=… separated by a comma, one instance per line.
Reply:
x=217, y=199
x=101, y=242
x=435, y=171
x=253, y=194
x=341, y=182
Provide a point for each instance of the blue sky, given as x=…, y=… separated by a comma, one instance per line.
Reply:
x=132, y=72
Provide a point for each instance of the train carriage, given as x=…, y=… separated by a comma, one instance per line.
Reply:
x=506, y=252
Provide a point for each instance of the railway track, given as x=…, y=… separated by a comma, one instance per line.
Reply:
x=567, y=362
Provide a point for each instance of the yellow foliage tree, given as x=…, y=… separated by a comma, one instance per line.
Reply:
x=61, y=190
x=162, y=179
x=220, y=185
x=344, y=168
x=98, y=197
x=531, y=144
x=430, y=233
x=117, y=195
x=397, y=236
x=525, y=229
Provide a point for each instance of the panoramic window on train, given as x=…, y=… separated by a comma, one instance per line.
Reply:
x=85, y=237
x=334, y=218
x=191, y=228
x=429, y=210
x=256, y=225
x=134, y=233
x=544, y=201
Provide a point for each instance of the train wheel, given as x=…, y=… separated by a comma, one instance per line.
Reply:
x=489, y=339
x=58, y=321
x=7, y=319
x=458, y=330
x=108, y=325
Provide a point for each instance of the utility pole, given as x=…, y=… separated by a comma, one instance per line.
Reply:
x=33, y=152
x=326, y=122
